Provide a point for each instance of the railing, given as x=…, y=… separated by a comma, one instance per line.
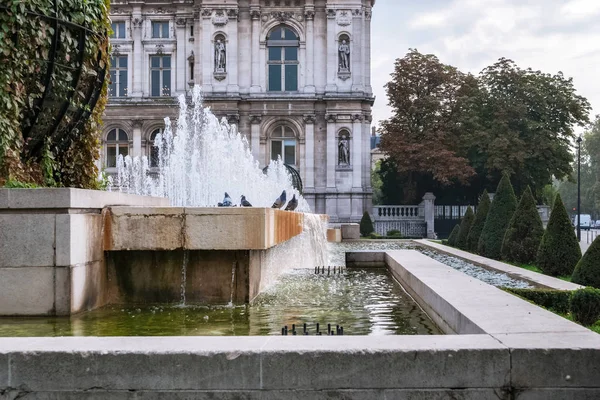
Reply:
x=398, y=213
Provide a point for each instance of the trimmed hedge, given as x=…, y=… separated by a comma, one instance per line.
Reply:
x=501, y=211
x=587, y=271
x=465, y=228
x=556, y=300
x=454, y=236
x=585, y=306
x=524, y=233
x=559, y=251
x=480, y=216
x=366, y=225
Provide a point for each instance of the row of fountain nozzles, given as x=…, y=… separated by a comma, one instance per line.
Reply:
x=322, y=270
x=339, y=330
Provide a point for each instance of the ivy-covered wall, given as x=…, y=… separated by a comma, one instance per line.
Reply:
x=54, y=65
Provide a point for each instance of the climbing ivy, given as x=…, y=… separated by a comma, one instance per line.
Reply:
x=49, y=133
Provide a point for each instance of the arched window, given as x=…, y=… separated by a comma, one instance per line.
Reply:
x=153, y=153
x=117, y=143
x=283, y=144
x=282, y=45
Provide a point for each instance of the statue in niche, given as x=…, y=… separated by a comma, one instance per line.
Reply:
x=220, y=54
x=343, y=151
x=344, y=52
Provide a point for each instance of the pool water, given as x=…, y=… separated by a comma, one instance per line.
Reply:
x=363, y=302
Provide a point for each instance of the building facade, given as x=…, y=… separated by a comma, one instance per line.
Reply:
x=294, y=75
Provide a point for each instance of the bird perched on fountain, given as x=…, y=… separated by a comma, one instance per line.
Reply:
x=280, y=201
x=226, y=201
x=244, y=202
x=291, y=206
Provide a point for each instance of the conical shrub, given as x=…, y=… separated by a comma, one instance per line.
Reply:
x=524, y=233
x=454, y=236
x=480, y=216
x=559, y=251
x=366, y=225
x=501, y=211
x=465, y=228
x=587, y=271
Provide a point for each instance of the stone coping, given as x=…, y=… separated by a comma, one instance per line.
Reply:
x=65, y=198
x=537, y=279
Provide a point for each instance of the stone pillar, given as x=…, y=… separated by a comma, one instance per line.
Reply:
x=356, y=158
x=332, y=61
x=309, y=160
x=232, y=52
x=309, y=14
x=357, y=51
x=137, y=64
x=182, y=65
x=429, y=203
x=255, y=137
x=207, y=43
x=137, y=138
x=367, y=51
x=331, y=150
x=255, y=48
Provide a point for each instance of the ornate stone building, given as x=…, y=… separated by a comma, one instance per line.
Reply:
x=294, y=75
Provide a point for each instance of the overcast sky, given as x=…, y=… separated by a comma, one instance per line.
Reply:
x=546, y=35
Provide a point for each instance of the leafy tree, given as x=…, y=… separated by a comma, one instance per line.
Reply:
x=524, y=233
x=465, y=228
x=377, y=183
x=482, y=211
x=559, y=250
x=366, y=225
x=501, y=211
x=454, y=235
x=587, y=270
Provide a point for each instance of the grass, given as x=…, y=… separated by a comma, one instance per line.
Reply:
x=533, y=268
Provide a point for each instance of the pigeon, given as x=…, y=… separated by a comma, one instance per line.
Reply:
x=226, y=201
x=280, y=201
x=244, y=202
x=291, y=206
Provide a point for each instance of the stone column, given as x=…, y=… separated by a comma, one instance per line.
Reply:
x=367, y=51
x=429, y=203
x=232, y=52
x=137, y=64
x=309, y=14
x=332, y=56
x=255, y=137
x=255, y=48
x=357, y=51
x=331, y=150
x=207, y=43
x=309, y=134
x=356, y=158
x=137, y=138
x=182, y=65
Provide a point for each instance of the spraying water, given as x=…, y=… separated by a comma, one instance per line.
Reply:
x=200, y=159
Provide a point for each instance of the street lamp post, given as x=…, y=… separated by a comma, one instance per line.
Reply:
x=579, y=188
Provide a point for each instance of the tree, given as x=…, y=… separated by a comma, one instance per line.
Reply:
x=454, y=236
x=559, y=250
x=587, y=270
x=465, y=228
x=482, y=211
x=524, y=233
x=366, y=225
x=501, y=211
x=422, y=135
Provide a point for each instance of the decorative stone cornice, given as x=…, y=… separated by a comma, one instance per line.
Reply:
x=137, y=22
x=180, y=22
x=159, y=48
x=161, y=10
x=357, y=12
x=137, y=123
x=255, y=119
x=331, y=13
x=344, y=18
x=357, y=117
x=233, y=13
x=368, y=14
x=119, y=11
x=368, y=118
x=309, y=13
x=309, y=118
x=331, y=118
x=206, y=13
x=282, y=16
x=255, y=13
x=233, y=119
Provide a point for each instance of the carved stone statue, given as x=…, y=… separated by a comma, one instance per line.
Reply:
x=344, y=52
x=343, y=152
x=220, y=55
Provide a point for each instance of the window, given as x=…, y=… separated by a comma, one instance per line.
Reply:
x=118, y=30
x=160, y=75
x=160, y=30
x=282, y=45
x=117, y=143
x=283, y=144
x=153, y=156
x=118, y=76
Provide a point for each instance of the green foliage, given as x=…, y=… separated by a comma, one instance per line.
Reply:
x=454, y=236
x=524, y=233
x=549, y=194
x=480, y=216
x=585, y=306
x=555, y=300
x=501, y=211
x=14, y=184
x=40, y=149
x=374, y=236
x=366, y=225
x=465, y=228
x=559, y=250
x=394, y=234
x=587, y=271
x=377, y=184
